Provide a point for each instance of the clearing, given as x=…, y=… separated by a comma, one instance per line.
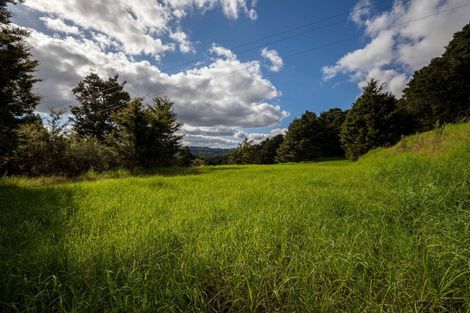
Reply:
x=390, y=232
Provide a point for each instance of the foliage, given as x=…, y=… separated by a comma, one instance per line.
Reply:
x=386, y=234
x=267, y=152
x=332, y=120
x=146, y=137
x=245, y=153
x=98, y=100
x=129, y=136
x=185, y=157
x=217, y=160
x=371, y=122
x=112, y=131
x=198, y=162
x=17, y=69
x=439, y=93
x=303, y=140
x=89, y=154
x=41, y=151
x=248, y=152
x=163, y=126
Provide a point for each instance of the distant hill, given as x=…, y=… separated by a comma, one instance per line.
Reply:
x=207, y=152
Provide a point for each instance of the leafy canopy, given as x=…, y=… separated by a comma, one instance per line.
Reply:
x=371, y=122
x=98, y=99
x=17, y=77
x=440, y=92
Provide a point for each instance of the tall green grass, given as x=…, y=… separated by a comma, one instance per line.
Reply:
x=390, y=233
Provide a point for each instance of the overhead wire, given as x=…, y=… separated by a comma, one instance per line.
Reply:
x=340, y=41
x=285, y=31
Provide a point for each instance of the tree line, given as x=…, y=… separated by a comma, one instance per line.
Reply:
x=108, y=129
x=437, y=94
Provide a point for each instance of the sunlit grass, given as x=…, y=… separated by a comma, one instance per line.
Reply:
x=388, y=233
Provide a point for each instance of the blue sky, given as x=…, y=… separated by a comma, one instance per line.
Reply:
x=190, y=50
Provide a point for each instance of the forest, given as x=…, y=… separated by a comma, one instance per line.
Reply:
x=107, y=129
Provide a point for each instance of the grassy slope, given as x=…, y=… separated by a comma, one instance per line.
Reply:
x=390, y=232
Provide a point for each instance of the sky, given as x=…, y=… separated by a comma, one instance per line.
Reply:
x=236, y=69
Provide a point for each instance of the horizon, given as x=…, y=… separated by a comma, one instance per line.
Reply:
x=236, y=69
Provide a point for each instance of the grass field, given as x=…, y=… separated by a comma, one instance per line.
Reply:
x=388, y=233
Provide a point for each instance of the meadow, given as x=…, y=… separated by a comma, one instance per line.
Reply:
x=389, y=233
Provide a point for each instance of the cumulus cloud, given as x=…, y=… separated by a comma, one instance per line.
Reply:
x=138, y=25
x=132, y=23
x=258, y=137
x=223, y=137
x=209, y=131
x=361, y=12
x=273, y=57
x=181, y=38
x=58, y=24
x=215, y=101
x=222, y=52
x=232, y=8
x=401, y=40
x=226, y=93
x=209, y=141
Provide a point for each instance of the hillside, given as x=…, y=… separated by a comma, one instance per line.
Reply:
x=207, y=152
x=387, y=233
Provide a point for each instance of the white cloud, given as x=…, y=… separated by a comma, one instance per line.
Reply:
x=215, y=100
x=223, y=137
x=402, y=40
x=181, y=38
x=132, y=23
x=258, y=137
x=138, y=25
x=209, y=141
x=232, y=8
x=58, y=24
x=374, y=55
x=273, y=57
x=224, y=94
x=222, y=52
x=361, y=12
x=209, y=131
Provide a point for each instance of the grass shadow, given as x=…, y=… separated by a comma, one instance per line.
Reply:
x=33, y=224
x=37, y=182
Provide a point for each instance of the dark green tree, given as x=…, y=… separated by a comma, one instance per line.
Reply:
x=440, y=92
x=41, y=150
x=131, y=133
x=85, y=154
x=185, y=157
x=147, y=136
x=268, y=149
x=371, y=122
x=98, y=99
x=163, y=138
x=245, y=153
x=303, y=140
x=332, y=120
x=17, y=77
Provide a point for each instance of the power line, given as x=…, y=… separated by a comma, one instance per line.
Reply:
x=277, y=34
x=259, y=46
x=348, y=12
x=285, y=31
x=340, y=41
x=393, y=25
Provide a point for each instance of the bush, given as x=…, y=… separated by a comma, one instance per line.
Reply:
x=85, y=154
x=39, y=151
